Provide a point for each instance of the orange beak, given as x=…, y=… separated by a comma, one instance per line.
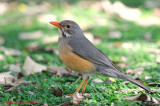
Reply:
x=55, y=24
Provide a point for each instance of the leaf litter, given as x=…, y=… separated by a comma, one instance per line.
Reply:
x=7, y=79
x=9, y=51
x=32, y=67
x=147, y=100
x=76, y=99
x=60, y=71
x=30, y=35
x=57, y=91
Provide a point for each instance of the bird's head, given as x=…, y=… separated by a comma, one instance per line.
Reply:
x=67, y=28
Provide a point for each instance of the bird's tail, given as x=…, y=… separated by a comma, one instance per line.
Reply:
x=118, y=74
x=125, y=77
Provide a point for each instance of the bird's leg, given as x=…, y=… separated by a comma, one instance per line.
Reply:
x=85, y=80
x=84, y=77
x=79, y=87
x=85, y=84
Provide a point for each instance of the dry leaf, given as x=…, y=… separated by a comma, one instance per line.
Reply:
x=107, y=6
x=2, y=57
x=68, y=15
x=130, y=71
x=147, y=77
x=57, y=91
x=122, y=10
x=15, y=85
x=125, y=12
x=30, y=35
x=60, y=71
x=96, y=4
x=32, y=46
x=147, y=100
x=118, y=44
x=91, y=38
x=1, y=40
x=97, y=41
x=51, y=48
x=11, y=88
x=123, y=59
x=148, y=21
x=31, y=66
x=154, y=51
x=9, y=51
x=147, y=36
x=135, y=91
x=114, y=34
x=138, y=71
x=125, y=45
x=14, y=68
x=6, y=66
x=77, y=97
x=156, y=12
x=135, y=76
x=122, y=65
x=141, y=97
x=45, y=18
x=158, y=60
x=4, y=7
x=50, y=39
x=6, y=78
x=152, y=4
x=31, y=11
x=153, y=84
x=155, y=90
x=98, y=80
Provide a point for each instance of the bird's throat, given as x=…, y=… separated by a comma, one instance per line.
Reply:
x=63, y=34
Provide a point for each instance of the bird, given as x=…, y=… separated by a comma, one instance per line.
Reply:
x=80, y=55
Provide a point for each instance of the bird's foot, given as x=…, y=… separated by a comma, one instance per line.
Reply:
x=79, y=94
x=69, y=95
x=77, y=97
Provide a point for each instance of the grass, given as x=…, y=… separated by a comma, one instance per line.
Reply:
x=101, y=94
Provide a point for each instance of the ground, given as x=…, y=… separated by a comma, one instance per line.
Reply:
x=134, y=43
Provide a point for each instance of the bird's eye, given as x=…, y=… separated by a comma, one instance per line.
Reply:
x=68, y=26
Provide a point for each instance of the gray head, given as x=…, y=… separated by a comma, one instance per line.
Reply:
x=68, y=28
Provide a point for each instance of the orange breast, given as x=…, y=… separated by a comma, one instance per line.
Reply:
x=75, y=62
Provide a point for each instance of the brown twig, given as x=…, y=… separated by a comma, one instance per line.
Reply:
x=15, y=85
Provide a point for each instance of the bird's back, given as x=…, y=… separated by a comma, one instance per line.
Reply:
x=85, y=49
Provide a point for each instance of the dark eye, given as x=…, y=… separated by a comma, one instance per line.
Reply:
x=68, y=26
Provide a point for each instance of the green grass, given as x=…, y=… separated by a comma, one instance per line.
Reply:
x=101, y=94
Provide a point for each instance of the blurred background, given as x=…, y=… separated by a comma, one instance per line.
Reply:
x=115, y=27
x=127, y=31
